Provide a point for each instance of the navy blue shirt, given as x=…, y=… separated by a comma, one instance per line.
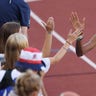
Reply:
x=14, y=10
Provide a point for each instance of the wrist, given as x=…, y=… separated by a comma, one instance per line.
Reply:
x=50, y=32
x=80, y=38
x=68, y=42
x=64, y=47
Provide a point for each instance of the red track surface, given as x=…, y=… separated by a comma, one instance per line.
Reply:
x=72, y=73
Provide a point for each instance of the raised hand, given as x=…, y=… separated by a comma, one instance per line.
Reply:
x=72, y=36
x=76, y=21
x=49, y=26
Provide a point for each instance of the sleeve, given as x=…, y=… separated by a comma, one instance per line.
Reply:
x=46, y=68
x=24, y=14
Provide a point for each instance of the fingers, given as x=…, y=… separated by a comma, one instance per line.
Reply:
x=73, y=36
x=78, y=26
x=74, y=17
x=75, y=20
x=83, y=21
x=78, y=31
x=50, y=19
x=50, y=24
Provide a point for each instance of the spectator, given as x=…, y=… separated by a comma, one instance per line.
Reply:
x=15, y=10
x=6, y=30
x=27, y=84
x=14, y=44
x=13, y=27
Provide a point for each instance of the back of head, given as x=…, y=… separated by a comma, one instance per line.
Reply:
x=15, y=43
x=6, y=30
x=69, y=93
x=28, y=83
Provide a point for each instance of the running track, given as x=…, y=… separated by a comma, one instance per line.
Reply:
x=72, y=73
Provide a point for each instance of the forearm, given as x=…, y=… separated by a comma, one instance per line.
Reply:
x=47, y=44
x=89, y=45
x=59, y=55
x=49, y=26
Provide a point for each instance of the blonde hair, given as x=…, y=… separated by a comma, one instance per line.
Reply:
x=15, y=43
x=28, y=83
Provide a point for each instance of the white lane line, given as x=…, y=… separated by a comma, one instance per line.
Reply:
x=62, y=40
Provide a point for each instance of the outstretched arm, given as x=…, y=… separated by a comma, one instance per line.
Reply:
x=71, y=38
x=49, y=27
x=76, y=21
x=76, y=24
x=89, y=45
x=80, y=47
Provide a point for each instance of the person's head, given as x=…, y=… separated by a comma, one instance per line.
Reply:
x=15, y=43
x=28, y=84
x=6, y=30
x=31, y=58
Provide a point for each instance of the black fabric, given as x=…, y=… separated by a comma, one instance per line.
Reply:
x=43, y=64
x=7, y=80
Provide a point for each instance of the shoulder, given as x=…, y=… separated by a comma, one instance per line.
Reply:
x=15, y=73
x=2, y=73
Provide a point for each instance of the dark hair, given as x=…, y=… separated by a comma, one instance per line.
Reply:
x=5, y=31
